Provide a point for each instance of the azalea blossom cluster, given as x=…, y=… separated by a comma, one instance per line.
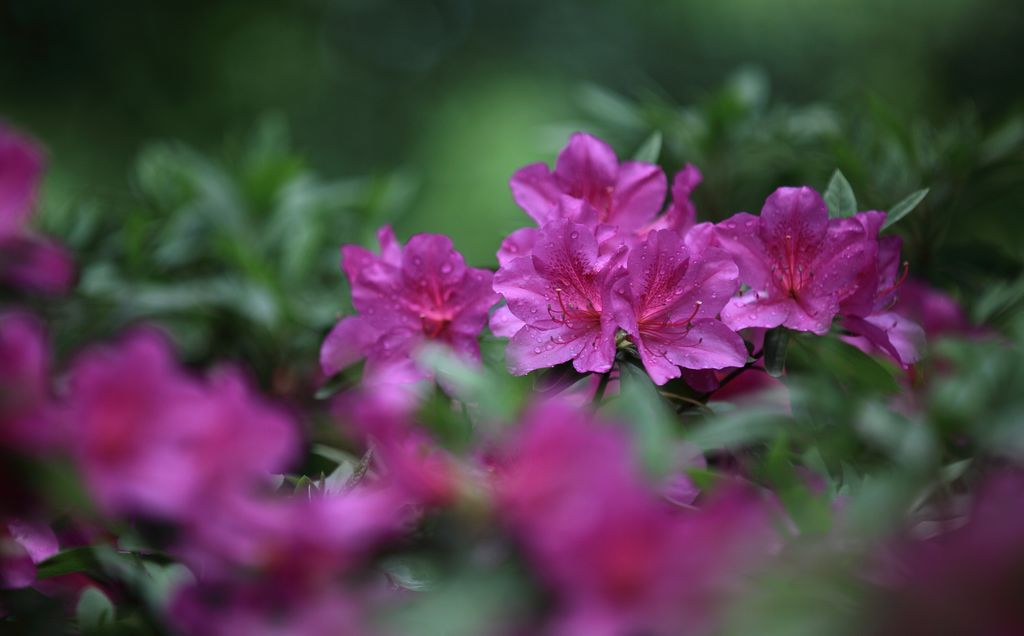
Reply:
x=607, y=268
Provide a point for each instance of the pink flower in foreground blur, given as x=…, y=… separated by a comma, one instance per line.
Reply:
x=404, y=297
x=152, y=441
x=26, y=260
x=799, y=264
x=964, y=582
x=669, y=303
x=279, y=566
x=28, y=419
x=627, y=195
x=404, y=455
x=618, y=558
x=560, y=291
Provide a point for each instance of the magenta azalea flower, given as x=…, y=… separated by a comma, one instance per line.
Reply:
x=560, y=292
x=868, y=313
x=27, y=261
x=799, y=264
x=669, y=302
x=404, y=297
x=627, y=195
x=619, y=558
x=152, y=441
x=23, y=544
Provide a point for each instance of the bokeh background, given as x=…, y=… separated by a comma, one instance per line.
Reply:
x=207, y=158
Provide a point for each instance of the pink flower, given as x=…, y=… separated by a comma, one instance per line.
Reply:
x=405, y=457
x=560, y=292
x=27, y=261
x=29, y=421
x=868, y=313
x=618, y=558
x=965, y=581
x=935, y=310
x=405, y=297
x=799, y=264
x=152, y=441
x=669, y=303
x=282, y=565
x=627, y=195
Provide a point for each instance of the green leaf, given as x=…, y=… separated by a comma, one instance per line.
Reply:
x=739, y=428
x=650, y=150
x=904, y=207
x=829, y=358
x=95, y=612
x=641, y=407
x=67, y=562
x=839, y=197
x=776, y=342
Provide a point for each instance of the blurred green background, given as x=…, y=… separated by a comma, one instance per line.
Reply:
x=207, y=158
x=456, y=93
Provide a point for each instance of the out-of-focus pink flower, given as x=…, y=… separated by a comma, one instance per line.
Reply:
x=404, y=297
x=28, y=420
x=304, y=541
x=406, y=459
x=152, y=441
x=618, y=558
x=669, y=303
x=936, y=311
x=23, y=545
x=964, y=582
x=799, y=264
x=279, y=566
x=27, y=261
x=627, y=195
x=560, y=292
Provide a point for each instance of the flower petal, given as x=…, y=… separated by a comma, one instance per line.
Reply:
x=347, y=343
x=638, y=197
x=535, y=190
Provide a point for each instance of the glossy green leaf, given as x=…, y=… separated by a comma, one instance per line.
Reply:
x=904, y=207
x=839, y=197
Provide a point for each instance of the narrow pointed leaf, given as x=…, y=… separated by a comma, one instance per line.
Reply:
x=650, y=150
x=904, y=207
x=839, y=196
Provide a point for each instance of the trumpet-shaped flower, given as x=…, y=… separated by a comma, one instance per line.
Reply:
x=619, y=558
x=560, y=293
x=669, y=303
x=799, y=264
x=404, y=297
x=154, y=442
x=869, y=312
x=627, y=195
